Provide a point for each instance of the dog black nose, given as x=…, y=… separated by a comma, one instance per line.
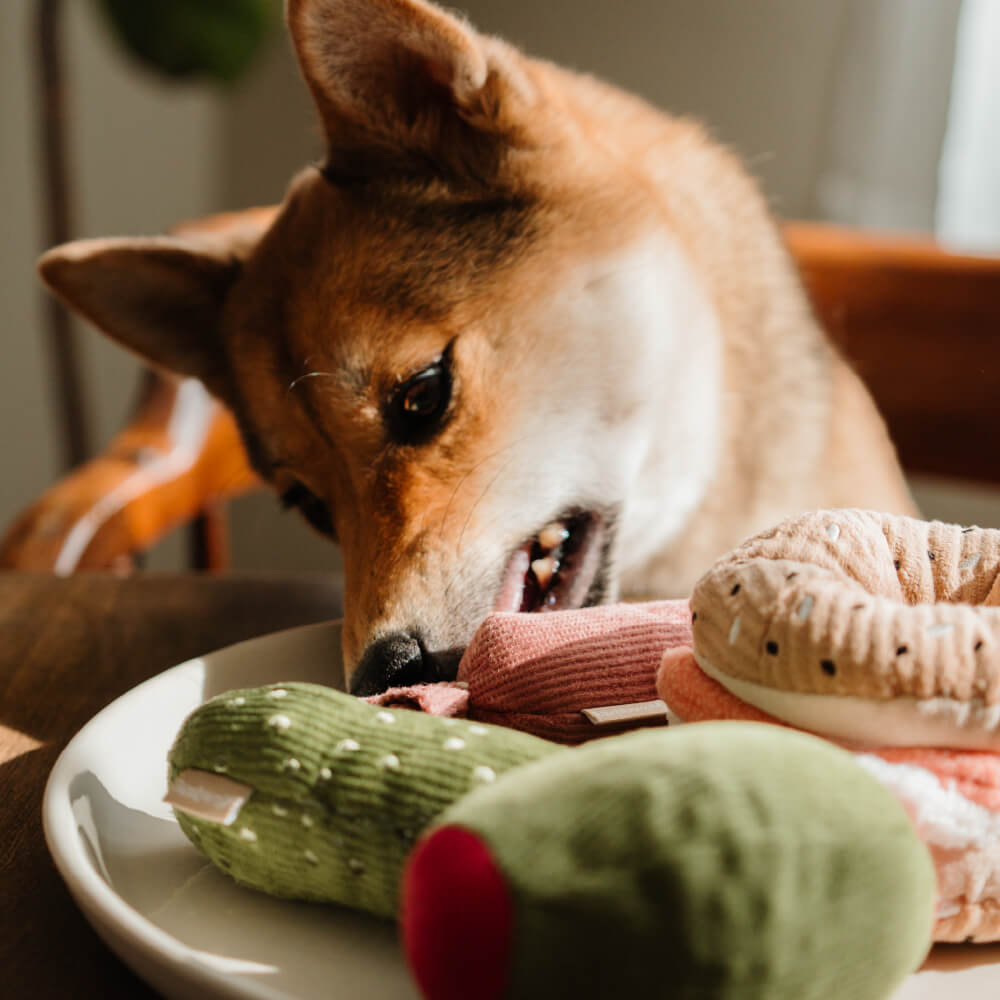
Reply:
x=395, y=660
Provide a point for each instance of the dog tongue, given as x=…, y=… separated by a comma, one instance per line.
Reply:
x=512, y=589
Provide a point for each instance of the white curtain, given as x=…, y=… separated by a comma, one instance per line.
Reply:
x=968, y=208
x=887, y=112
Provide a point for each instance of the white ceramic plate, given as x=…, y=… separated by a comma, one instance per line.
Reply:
x=189, y=931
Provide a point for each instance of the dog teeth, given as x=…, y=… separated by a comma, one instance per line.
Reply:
x=544, y=570
x=553, y=535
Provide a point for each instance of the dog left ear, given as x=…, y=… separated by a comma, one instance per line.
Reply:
x=160, y=297
x=401, y=86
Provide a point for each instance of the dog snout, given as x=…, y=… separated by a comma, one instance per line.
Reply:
x=393, y=660
x=397, y=660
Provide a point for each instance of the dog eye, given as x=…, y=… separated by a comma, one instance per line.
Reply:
x=310, y=506
x=418, y=405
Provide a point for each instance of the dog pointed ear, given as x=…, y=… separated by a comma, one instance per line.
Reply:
x=160, y=297
x=401, y=85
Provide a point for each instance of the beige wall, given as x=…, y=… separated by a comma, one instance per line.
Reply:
x=776, y=79
x=760, y=74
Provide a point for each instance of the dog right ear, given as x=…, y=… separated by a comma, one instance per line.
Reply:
x=160, y=297
x=402, y=86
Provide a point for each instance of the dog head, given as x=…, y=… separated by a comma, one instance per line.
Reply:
x=439, y=348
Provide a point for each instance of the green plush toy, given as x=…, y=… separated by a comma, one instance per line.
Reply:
x=724, y=861
x=331, y=792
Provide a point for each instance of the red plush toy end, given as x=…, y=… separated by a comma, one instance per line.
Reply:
x=456, y=918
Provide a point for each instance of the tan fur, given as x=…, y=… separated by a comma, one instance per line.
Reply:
x=628, y=330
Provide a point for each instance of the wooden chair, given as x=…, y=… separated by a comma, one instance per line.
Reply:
x=922, y=328
x=921, y=325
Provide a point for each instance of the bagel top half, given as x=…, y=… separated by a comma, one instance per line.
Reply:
x=866, y=627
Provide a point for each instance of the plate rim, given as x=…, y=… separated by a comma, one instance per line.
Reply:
x=103, y=908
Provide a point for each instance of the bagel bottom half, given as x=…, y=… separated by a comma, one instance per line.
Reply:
x=951, y=796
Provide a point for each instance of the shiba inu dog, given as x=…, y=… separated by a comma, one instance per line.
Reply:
x=521, y=341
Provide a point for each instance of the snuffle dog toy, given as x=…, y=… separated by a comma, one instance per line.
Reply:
x=721, y=860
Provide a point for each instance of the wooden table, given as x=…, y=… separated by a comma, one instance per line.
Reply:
x=67, y=648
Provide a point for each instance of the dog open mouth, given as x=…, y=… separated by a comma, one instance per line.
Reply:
x=563, y=566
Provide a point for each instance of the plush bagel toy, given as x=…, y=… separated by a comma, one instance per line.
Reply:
x=850, y=623
x=844, y=623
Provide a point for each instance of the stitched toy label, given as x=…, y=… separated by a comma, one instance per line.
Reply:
x=208, y=796
x=637, y=711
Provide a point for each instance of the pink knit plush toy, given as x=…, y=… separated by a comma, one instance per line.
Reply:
x=562, y=676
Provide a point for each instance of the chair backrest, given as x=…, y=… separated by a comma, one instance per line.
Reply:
x=922, y=328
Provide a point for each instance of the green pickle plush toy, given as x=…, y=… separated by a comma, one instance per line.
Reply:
x=723, y=861
x=335, y=791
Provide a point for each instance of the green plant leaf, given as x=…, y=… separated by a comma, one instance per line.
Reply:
x=193, y=38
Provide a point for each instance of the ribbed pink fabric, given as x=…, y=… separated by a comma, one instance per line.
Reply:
x=434, y=699
x=537, y=672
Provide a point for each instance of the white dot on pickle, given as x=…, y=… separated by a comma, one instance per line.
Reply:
x=356, y=866
x=236, y=702
x=478, y=730
x=219, y=765
x=279, y=721
x=390, y=761
x=307, y=820
x=484, y=774
x=277, y=693
x=248, y=835
x=291, y=764
x=454, y=743
x=348, y=746
x=310, y=857
x=279, y=810
x=385, y=717
x=325, y=773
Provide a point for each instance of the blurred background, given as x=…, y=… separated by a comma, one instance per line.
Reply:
x=880, y=113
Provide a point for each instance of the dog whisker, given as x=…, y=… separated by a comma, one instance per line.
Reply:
x=464, y=479
x=301, y=378
x=482, y=496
